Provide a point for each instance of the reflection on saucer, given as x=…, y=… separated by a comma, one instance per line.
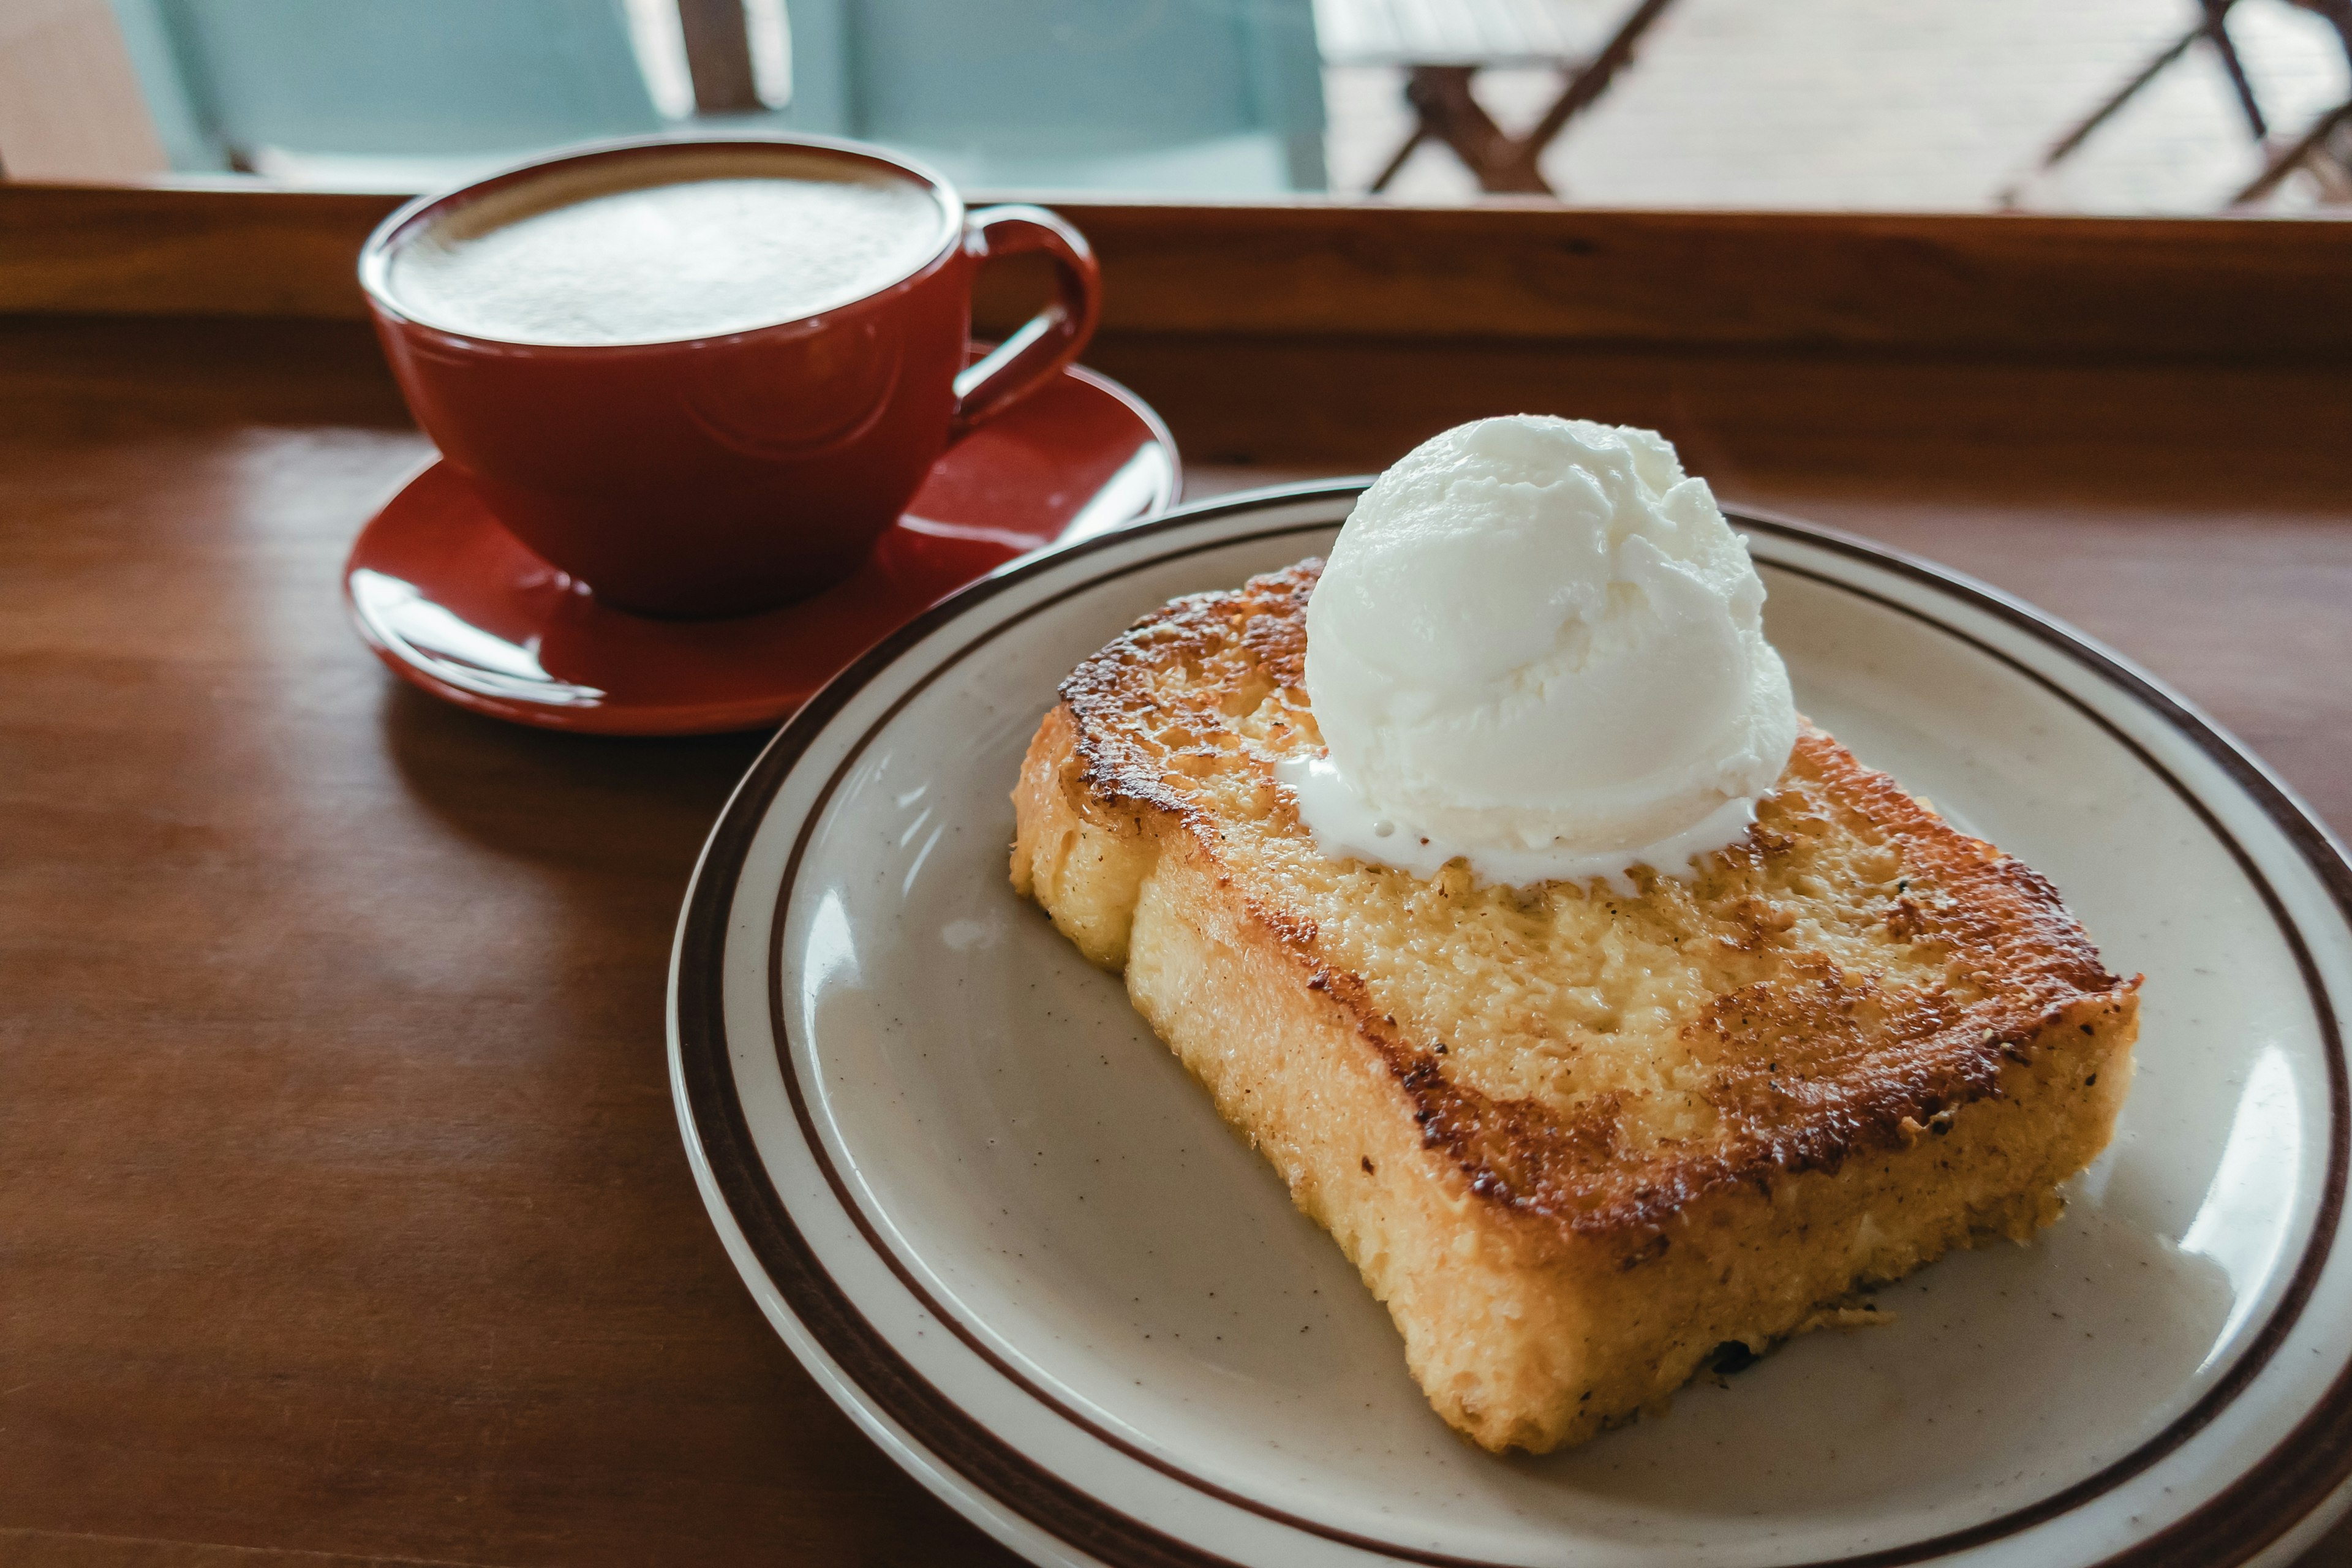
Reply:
x=454, y=604
x=464, y=654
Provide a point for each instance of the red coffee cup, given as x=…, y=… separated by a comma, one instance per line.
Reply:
x=723, y=474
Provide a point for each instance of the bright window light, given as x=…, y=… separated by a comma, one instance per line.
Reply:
x=772, y=50
x=660, y=45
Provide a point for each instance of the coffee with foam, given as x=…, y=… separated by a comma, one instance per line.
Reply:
x=661, y=249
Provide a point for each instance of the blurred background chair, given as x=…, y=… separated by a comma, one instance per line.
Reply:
x=384, y=91
x=1203, y=96
x=1199, y=96
x=2325, y=151
x=1442, y=45
x=1748, y=102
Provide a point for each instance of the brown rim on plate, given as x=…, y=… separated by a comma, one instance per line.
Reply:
x=2238, y=1522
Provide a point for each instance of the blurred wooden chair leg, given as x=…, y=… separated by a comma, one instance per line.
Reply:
x=2216, y=29
x=1395, y=166
x=2312, y=151
x=2213, y=27
x=1450, y=111
x=1446, y=109
x=2064, y=146
x=718, y=56
x=1589, y=81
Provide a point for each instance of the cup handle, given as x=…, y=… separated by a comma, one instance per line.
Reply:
x=1048, y=339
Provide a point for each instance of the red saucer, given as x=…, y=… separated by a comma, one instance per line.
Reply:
x=453, y=602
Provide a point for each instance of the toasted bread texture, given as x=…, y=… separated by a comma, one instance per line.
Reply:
x=1578, y=1142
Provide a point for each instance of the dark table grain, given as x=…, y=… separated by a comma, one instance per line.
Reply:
x=341, y=1204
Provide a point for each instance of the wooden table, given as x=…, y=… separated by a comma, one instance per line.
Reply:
x=342, y=1212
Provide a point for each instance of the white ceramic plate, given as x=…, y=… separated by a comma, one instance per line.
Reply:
x=997, y=1221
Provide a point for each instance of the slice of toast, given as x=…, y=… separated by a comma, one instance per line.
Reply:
x=1578, y=1142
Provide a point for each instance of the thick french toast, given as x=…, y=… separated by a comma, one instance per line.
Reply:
x=1576, y=1142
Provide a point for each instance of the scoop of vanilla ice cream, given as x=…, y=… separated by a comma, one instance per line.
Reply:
x=1537, y=643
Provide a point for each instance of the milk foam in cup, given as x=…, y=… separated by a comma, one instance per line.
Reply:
x=1538, y=645
x=694, y=247
x=704, y=377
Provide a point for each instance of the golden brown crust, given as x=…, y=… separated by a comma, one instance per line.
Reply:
x=1807, y=1066
x=1576, y=1142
